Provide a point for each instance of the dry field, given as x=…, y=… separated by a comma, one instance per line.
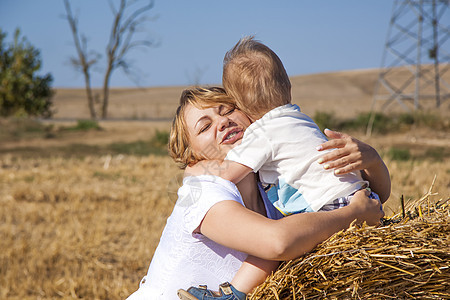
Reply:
x=80, y=227
x=86, y=226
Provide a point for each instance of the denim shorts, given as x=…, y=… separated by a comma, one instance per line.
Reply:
x=344, y=201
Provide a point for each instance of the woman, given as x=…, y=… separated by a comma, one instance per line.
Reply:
x=214, y=225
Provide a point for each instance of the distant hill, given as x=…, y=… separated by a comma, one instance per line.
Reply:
x=345, y=93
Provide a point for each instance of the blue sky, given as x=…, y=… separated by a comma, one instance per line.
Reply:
x=309, y=36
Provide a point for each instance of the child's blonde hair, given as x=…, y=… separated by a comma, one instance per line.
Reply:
x=255, y=77
x=179, y=148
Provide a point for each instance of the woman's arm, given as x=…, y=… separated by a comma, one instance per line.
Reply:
x=352, y=155
x=234, y=226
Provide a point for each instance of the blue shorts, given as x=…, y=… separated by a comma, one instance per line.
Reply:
x=344, y=201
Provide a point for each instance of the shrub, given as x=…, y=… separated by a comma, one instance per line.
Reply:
x=156, y=145
x=382, y=123
x=326, y=120
x=87, y=125
x=160, y=139
x=23, y=92
x=24, y=128
x=83, y=125
x=399, y=154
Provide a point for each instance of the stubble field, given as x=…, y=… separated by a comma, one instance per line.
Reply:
x=81, y=219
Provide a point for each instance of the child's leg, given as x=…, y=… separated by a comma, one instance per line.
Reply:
x=252, y=273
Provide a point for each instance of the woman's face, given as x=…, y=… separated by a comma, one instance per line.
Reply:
x=216, y=130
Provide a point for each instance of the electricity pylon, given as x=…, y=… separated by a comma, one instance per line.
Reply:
x=416, y=56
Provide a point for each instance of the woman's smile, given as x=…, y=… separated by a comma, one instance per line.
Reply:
x=233, y=136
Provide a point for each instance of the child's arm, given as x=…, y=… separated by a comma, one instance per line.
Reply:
x=227, y=169
x=353, y=155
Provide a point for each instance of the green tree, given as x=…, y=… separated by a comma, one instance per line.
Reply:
x=22, y=91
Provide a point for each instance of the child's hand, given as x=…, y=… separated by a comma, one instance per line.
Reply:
x=367, y=209
x=350, y=155
x=205, y=167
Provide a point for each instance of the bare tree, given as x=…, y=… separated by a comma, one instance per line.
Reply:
x=127, y=19
x=85, y=59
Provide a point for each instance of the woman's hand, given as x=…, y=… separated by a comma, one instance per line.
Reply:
x=350, y=154
x=366, y=209
x=353, y=155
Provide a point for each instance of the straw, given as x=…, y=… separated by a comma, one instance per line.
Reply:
x=407, y=258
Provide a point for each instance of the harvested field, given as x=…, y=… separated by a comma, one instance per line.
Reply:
x=87, y=227
x=80, y=227
x=81, y=214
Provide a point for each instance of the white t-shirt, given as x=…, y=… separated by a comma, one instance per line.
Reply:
x=282, y=147
x=184, y=258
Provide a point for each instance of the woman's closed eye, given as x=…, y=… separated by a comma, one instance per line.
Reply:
x=226, y=110
x=229, y=111
x=204, y=128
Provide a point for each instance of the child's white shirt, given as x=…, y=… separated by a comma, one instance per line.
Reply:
x=282, y=146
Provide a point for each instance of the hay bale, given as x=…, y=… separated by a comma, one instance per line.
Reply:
x=408, y=258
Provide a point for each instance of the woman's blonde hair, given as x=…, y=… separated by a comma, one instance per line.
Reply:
x=200, y=97
x=255, y=77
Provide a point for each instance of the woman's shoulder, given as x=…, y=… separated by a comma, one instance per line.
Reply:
x=198, y=194
x=207, y=189
x=209, y=181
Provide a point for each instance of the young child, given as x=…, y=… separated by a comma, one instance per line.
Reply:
x=281, y=144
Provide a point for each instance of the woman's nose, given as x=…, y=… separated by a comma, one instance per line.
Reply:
x=223, y=122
